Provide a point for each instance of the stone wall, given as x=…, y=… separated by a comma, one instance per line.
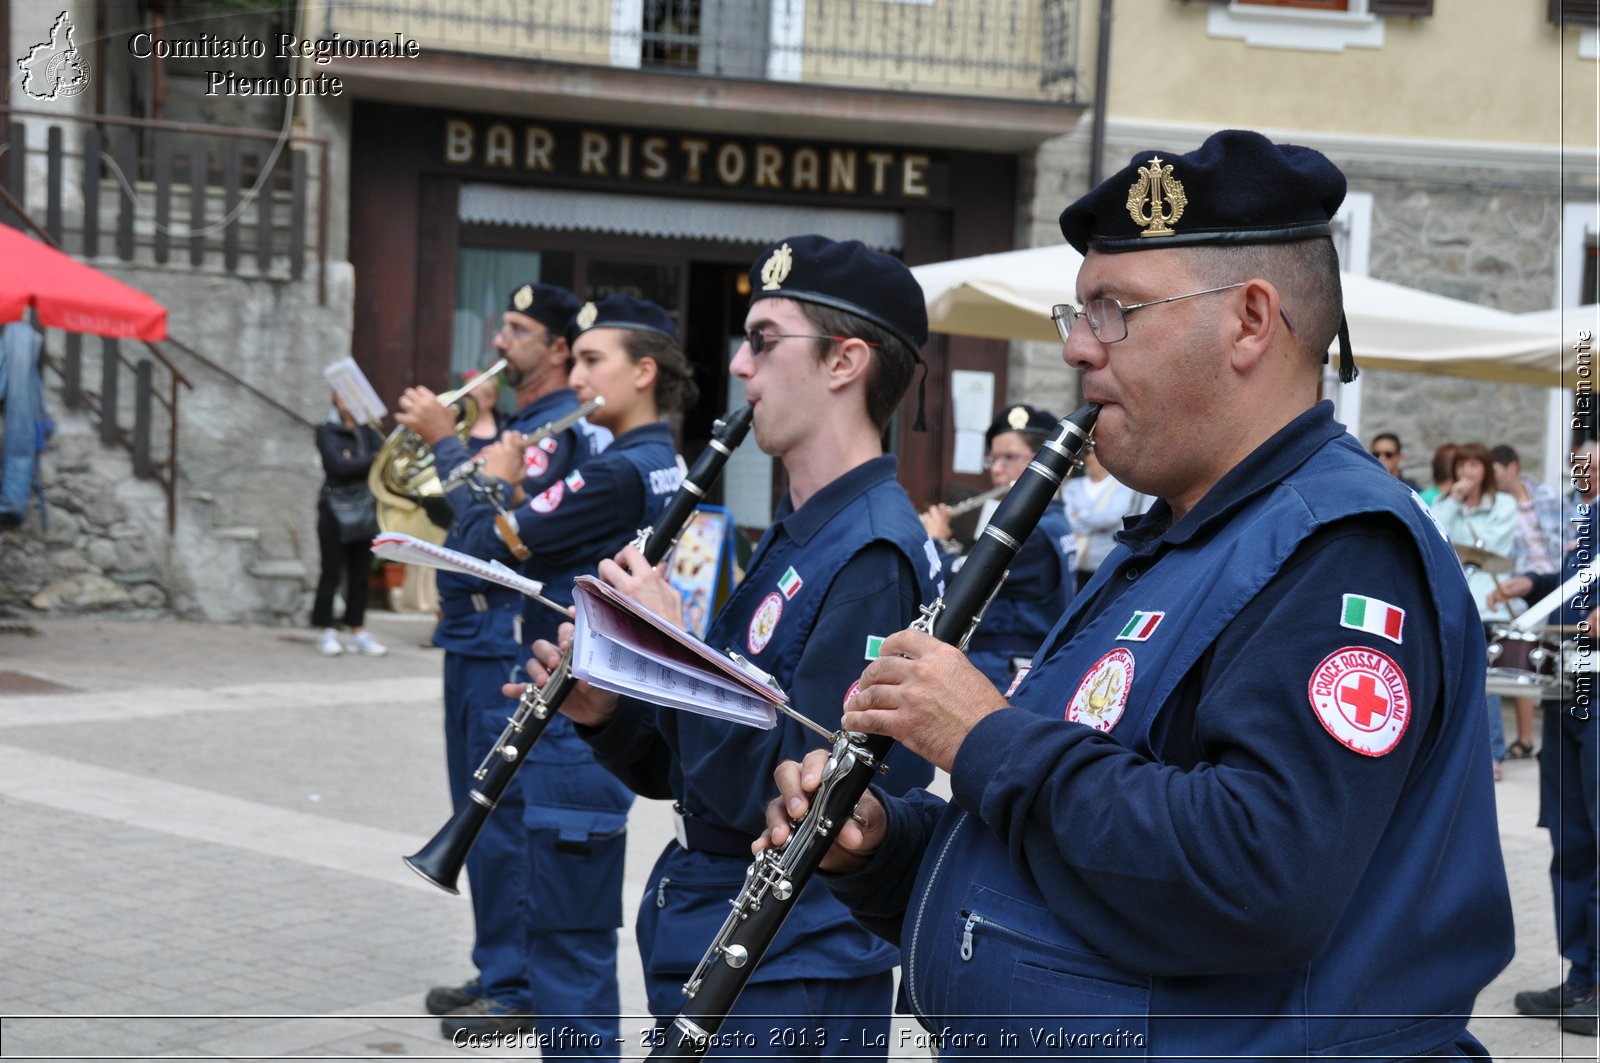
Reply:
x=1482, y=235
x=248, y=471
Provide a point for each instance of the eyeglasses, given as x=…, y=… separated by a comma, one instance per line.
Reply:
x=1386, y=453
x=1108, y=318
x=1006, y=459
x=760, y=341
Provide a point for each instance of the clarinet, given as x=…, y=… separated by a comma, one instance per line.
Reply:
x=441, y=859
x=775, y=879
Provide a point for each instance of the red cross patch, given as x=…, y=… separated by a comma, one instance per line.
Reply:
x=1361, y=697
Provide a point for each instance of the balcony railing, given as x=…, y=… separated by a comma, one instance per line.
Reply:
x=239, y=200
x=1021, y=49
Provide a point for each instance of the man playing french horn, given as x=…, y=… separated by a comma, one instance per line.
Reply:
x=481, y=631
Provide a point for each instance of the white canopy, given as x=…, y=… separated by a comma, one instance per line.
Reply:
x=1009, y=296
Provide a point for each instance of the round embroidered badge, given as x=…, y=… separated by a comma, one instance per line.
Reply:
x=1361, y=697
x=1103, y=694
x=848, y=694
x=765, y=621
x=536, y=461
x=547, y=500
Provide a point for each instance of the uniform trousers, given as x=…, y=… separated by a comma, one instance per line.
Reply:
x=475, y=714
x=1569, y=806
x=849, y=1018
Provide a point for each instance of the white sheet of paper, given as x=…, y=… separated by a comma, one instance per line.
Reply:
x=972, y=393
x=969, y=451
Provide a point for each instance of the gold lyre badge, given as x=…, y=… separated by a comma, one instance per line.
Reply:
x=1156, y=183
x=1017, y=418
x=523, y=298
x=587, y=316
x=777, y=269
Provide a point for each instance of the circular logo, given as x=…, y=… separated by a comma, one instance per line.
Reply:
x=1361, y=698
x=68, y=74
x=1103, y=694
x=536, y=461
x=547, y=500
x=848, y=694
x=765, y=622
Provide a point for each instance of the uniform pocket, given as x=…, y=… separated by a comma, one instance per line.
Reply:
x=1015, y=961
x=576, y=880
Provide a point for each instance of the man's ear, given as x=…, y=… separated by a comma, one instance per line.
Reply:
x=847, y=361
x=1254, y=324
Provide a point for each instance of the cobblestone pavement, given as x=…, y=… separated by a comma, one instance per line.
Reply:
x=204, y=825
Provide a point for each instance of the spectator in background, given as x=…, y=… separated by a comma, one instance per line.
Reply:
x=1444, y=459
x=344, y=532
x=1386, y=448
x=1096, y=505
x=1537, y=551
x=1472, y=513
x=1042, y=577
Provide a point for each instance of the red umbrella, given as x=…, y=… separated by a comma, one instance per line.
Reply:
x=70, y=295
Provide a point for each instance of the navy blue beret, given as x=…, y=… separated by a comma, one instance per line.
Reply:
x=625, y=311
x=550, y=305
x=846, y=275
x=1021, y=418
x=1236, y=188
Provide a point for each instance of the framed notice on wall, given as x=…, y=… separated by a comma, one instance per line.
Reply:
x=702, y=566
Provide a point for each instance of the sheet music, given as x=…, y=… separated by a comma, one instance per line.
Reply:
x=397, y=546
x=355, y=391
x=621, y=646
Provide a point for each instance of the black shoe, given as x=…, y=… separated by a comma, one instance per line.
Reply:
x=1580, y=1017
x=443, y=999
x=485, y=1018
x=1551, y=1003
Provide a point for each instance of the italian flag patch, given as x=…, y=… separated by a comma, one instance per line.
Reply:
x=1372, y=616
x=790, y=583
x=874, y=645
x=1141, y=626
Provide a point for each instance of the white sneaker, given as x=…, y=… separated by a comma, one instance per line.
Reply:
x=365, y=643
x=328, y=645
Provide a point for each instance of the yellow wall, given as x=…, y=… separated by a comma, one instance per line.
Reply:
x=1476, y=70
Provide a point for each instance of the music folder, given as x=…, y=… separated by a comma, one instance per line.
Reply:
x=621, y=646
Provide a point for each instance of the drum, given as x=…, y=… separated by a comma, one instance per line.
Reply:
x=1523, y=664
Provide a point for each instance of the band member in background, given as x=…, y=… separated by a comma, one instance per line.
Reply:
x=1042, y=578
x=1195, y=830
x=1569, y=767
x=625, y=351
x=479, y=632
x=831, y=343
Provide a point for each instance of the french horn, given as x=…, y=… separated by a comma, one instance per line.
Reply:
x=404, y=479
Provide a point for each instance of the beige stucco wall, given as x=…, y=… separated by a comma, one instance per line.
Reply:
x=1476, y=70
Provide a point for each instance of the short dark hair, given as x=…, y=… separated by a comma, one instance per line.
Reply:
x=1381, y=436
x=675, y=388
x=1306, y=274
x=1505, y=454
x=893, y=363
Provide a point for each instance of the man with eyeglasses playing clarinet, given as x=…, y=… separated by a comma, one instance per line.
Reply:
x=1238, y=807
x=831, y=343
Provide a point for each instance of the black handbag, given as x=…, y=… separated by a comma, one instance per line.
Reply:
x=354, y=510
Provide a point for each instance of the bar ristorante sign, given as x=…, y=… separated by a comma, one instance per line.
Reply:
x=642, y=159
